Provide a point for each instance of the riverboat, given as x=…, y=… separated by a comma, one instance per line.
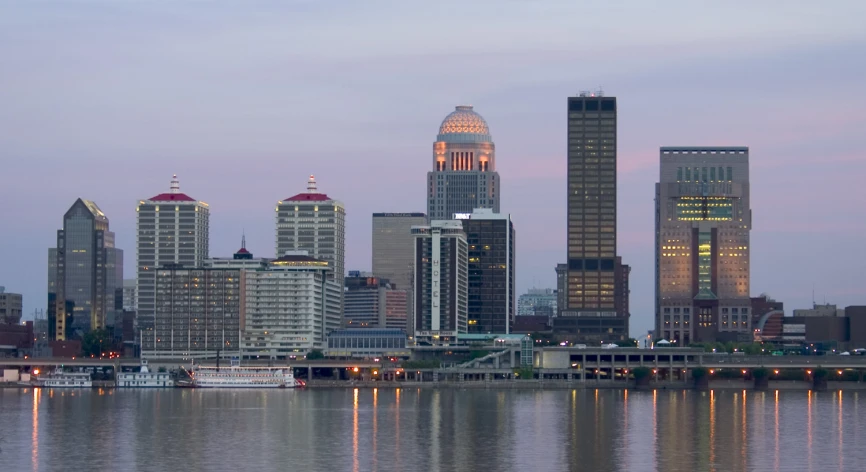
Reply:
x=60, y=379
x=236, y=376
x=144, y=378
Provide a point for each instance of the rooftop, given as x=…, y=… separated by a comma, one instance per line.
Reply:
x=173, y=194
x=464, y=125
x=311, y=195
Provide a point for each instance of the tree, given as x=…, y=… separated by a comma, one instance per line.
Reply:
x=630, y=342
x=760, y=372
x=96, y=342
x=641, y=372
x=699, y=373
x=315, y=354
x=524, y=373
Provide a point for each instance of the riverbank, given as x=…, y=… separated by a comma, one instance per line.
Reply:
x=787, y=385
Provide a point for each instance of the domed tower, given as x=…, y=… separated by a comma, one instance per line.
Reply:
x=464, y=173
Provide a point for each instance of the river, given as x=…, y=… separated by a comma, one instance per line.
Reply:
x=430, y=429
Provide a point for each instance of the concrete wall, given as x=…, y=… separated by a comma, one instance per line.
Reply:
x=552, y=359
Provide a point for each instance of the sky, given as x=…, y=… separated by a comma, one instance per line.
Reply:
x=105, y=100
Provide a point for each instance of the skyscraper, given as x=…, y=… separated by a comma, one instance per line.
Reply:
x=316, y=223
x=440, y=281
x=173, y=228
x=491, y=292
x=591, y=312
x=464, y=173
x=703, y=219
x=394, y=252
x=85, y=274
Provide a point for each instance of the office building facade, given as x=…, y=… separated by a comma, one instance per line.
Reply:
x=590, y=313
x=291, y=307
x=198, y=313
x=172, y=229
x=491, y=291
x=394, y=253
x=11, y=307
x=441, y=283
x=537, y=302
x=703, y=220
x=315, y=223
x=464, y=173
x=85, y=274
x=130, y=294
x=371, y=302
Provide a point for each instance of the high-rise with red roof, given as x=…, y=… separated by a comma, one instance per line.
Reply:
x=316, y=223
x=173, y=228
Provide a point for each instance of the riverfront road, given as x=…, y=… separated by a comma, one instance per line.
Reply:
x=589, y=357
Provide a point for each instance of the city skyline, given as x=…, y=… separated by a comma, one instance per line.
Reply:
x=227, y=139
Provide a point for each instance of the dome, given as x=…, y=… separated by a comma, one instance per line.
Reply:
x=464, y=125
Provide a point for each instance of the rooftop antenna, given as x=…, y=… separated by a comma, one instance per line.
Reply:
x=311, y=184
x=243, y=239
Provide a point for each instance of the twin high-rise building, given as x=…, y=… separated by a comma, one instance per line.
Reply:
x=315, y=223
x=594, y=273
x=703, y=219
x=85, y=274
x=172, y=229
x=464, y=173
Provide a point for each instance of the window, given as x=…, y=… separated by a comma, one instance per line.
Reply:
x=591, y=105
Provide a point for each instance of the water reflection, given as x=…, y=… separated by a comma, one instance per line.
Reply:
x=37, y=392
x=421, y=429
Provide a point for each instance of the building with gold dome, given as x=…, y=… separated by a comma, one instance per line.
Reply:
x=464, y=173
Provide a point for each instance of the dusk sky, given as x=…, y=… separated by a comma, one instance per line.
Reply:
x=243, y=100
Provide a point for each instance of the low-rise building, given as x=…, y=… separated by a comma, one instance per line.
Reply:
x=11, y=307
x=371, y=302
x=537, y=301
x=367, y=343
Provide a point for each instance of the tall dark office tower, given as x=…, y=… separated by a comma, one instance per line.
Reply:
x=464, y=173
x=491, y=293
x=591, y=314
x=85, y=274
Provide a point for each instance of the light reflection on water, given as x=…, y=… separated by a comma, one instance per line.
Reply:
x=420, y=429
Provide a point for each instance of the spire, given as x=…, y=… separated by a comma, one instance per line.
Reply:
x=175, y=184
x=242, y=252
x=311, y=185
